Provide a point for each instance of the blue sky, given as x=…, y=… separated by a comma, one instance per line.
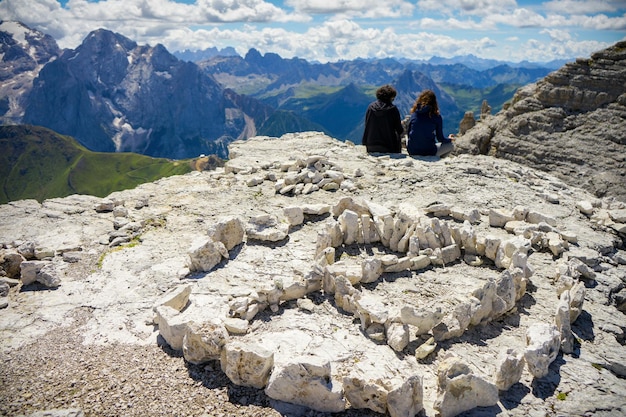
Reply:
x=332, y=30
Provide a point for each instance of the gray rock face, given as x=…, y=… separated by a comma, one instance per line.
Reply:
x=24, y=52
x=114, y=95
x=358, y=304
x=572, y=124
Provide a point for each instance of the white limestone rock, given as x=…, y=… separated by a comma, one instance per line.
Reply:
x=371, y=270
x=585, y=207
x=397, y=336
x=172, y=326
x=562, y=322
x=425, y=348
x=229, y=231
x=577, y=298
x=349, y=223
x=176, y=298
x=294, y=215
x=405, y=398
x=509, y=368
x=307, y=381
x=267, y=228
x=203, y=342
x=370, y=387
x=459, y=389
x=205, y=254
x=29, y=271
x=499, y=217
x=536, y=217
x=247, y=364
x=424, y=318
x=236, y=325
x=542, y=346
x=48, y=276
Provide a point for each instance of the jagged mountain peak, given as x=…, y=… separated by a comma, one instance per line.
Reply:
x=23, y=53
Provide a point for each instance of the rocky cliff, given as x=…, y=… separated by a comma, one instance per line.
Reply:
x=114, y=95
x=572, y=123
x=307, y=277
x=23, y=52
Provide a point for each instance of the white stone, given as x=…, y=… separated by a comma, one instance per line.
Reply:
x=406, y=398
x=172, y=326
x=460, y=390
x=397, y=336
x=205, y=254
x=29, y=271
x=267, y=228
x=585, y=207
x=509, y=368
x=229, y=231
x=542, y=347
x=562, y=322
x=349, y=223
x=204, y=342
x=425, y=348
x=498, y=217
x=371, y=270
x=236, y=325
x=535, y=217
x=247, y=364
x=48, y=276
x=294, y=215
x=424, y=319
x=176, y=298
x=316, y=209
x=577, y=298
x=307, y=381
x=419, y=262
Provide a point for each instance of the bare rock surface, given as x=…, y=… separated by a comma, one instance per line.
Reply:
x=377, y=270
x=572, y=123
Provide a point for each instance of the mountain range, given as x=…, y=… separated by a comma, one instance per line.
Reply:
x=114, y=95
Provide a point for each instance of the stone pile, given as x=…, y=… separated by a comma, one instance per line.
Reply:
x=441, y=235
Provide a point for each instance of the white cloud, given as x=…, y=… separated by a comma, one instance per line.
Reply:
x=472, y=7
x=583, y=6
x=354, y=8
x=342, y=29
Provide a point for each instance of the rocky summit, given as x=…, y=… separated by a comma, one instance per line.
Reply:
x=308, y=278
x=572, y=123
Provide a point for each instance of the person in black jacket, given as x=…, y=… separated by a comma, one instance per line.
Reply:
x=425, y=131
x=383, y=126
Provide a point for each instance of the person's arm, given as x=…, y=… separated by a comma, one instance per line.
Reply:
x=439, y=131
x=365, y=133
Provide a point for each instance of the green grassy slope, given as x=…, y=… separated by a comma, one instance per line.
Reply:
x=39, y=163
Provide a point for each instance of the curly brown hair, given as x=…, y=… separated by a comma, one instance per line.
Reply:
x=426, y=98
x=386, y=93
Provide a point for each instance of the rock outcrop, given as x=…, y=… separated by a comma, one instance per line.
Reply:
x=413, y=285
x=572, y=123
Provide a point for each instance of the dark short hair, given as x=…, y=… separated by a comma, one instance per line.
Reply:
x=386, y=93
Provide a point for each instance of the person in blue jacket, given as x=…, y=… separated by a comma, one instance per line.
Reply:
x=425, y=130
x=383, y=126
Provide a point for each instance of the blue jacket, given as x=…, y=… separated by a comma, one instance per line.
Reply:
x=424, y=132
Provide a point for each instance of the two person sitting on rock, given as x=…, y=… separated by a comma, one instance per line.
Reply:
x=384, y=130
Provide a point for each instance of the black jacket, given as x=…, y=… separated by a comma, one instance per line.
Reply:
x=383, y=128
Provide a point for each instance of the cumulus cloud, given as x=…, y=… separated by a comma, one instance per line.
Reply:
x=342, y=29
x=472, y=7
x=583, y=6
x=354, y=8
